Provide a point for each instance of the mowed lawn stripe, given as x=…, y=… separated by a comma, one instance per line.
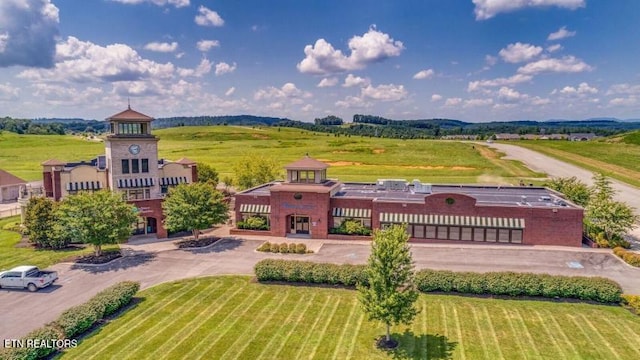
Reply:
x=312, y=330
x=354, y=336
x=227, y=324
x=317, y=341
x=567, y=343
x=348, y=326
x=631, y=337
x=553, y=345
x=492, y=331
x=590, y=351
x=525, y=330
x=480, y=334
x=284, y=329
x=597, y=333
x=207, y=313
x=248, y=337
x=511, y=320
x=130, y=323
x=456, y=320
x=147, y=337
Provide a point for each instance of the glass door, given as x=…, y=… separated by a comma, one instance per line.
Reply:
x=302, y=224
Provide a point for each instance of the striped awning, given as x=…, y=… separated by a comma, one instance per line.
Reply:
x=174, y=180
x=455, y=220
x=84, y=185
x=352, y=213
x=135, y=183
x=254, y=208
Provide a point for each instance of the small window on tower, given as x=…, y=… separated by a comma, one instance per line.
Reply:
x=135, y=166
x=145, y=165
x=125, y=166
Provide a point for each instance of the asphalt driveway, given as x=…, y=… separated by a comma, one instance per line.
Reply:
x=24, y=311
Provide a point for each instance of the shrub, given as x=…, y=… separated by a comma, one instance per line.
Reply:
x=494, y=283
x=292, y=248
x=629, y=257
x=45, y=333
x=351, y=227
x=284, y=248
x=254, y=223
x=632, y=301
x=301, y=249
x=77, y=319
x=265, y=247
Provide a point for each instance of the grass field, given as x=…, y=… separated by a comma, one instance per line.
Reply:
x=618, y=160
x=351, y=158
x=233, y=318
x=11, y=256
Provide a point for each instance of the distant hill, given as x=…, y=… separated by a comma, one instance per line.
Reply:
x=241, y=120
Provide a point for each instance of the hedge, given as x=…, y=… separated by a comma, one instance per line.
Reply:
x=492, y=283
x=629, y=257
x=632, y=301
x=76, y=320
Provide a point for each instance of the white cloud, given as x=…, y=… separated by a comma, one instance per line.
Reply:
x=453, y=101
x=224, y=68
x=512, y=80
x=424, y=74
x=486, y=9
x=624, y=89
x=180, y=55
x=353, y=102
x=373, y=46
x=28, y=31
x=628, y=101
x=206, y=45
x=389, y=92
x=582, y=89
x=230, y=91
x=561, y=34
x=8, y=92
x=536, y=100
x=202, y=69
x=161, y=47
x=328, y=82
x=307, y=108
x=83, y=61
x=287, y=91
x=208, y=17
x=477, y=102
x=176, y=3
x=510, y=95
x=490, y=60
x=519, y=52
x=566, y=64
x=436, y=97
x=352, y=80
x=553, y=48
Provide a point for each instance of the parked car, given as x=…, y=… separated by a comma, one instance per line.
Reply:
x=27, y=277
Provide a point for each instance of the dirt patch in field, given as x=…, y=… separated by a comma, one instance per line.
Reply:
x=439, y=167
x=340, y=152
x=342, y=163
x=378, y=151
x=260, y=136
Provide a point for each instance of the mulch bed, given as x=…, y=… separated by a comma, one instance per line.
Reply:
x=382, y=343
x=106, y=256
x=193, y=243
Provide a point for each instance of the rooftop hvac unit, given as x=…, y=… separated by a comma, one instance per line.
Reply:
x=392, y=184
x=524, y=199
x=421, y=188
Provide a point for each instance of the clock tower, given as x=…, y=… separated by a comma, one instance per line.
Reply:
x=132, y=156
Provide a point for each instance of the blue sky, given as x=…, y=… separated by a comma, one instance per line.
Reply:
x=473, y=60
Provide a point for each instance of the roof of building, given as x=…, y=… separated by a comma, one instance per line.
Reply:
x=53, y=162
x=521, y=196
x=129, y=115
x=306, y=163
x=185, y=161
x=7, y=178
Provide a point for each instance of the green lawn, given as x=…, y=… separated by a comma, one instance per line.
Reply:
x=234, y=318
x=11, y=256
x=351, y=158
x=618, y=160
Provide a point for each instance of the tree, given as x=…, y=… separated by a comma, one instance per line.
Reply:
x=574, y=189
x=207, y=174
x=255, y=170
x=42, y=225
x=609, y=217
x=390, y=293
x=194, y=207
x=96, y=218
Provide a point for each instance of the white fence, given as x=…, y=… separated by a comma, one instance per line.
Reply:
x=9, y=212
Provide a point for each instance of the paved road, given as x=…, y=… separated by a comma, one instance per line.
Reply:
x=556, y=168
x=24, y=311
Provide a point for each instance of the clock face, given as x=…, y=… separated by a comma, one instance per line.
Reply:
x=134, y=149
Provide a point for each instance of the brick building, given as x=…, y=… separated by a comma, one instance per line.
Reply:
x=130, y=166
x=308, y=204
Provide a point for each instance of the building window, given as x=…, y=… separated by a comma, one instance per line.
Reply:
x=454, y=233
x=137, y=194
x=516, y=236
x=135, y=166
x=164, y=189
x=145, y=165
x=503, y=235
x=442, y=233
x=478, y=234
x=492, y=235
x=418, y=231
x=125, y=166
x=430, y=232
x=466, y=233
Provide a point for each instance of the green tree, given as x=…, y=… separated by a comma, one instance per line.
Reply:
x=574, y=189
x=207, y=174
x=96, y=218
x=41, y=224
x=255, y=170
x=194, y=207
x=605, y=215
x=391, y=293
x=228, y=182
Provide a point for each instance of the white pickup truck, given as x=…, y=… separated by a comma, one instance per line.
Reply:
x=27, y=277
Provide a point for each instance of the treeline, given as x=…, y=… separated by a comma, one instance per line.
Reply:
x=329, y=120
x=240, y=120
x=25, y=126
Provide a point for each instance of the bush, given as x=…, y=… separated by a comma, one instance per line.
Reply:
x=633, y=302
x=629, y=257
x=45, y=333
x=301, y=249
x=254, y=223
x=292, y=248
x=494, y=283
x=351, y=227
x=265, y=247
x=284, y=248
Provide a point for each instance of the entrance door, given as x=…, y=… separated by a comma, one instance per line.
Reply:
x=299, y=224
x=152, y=225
